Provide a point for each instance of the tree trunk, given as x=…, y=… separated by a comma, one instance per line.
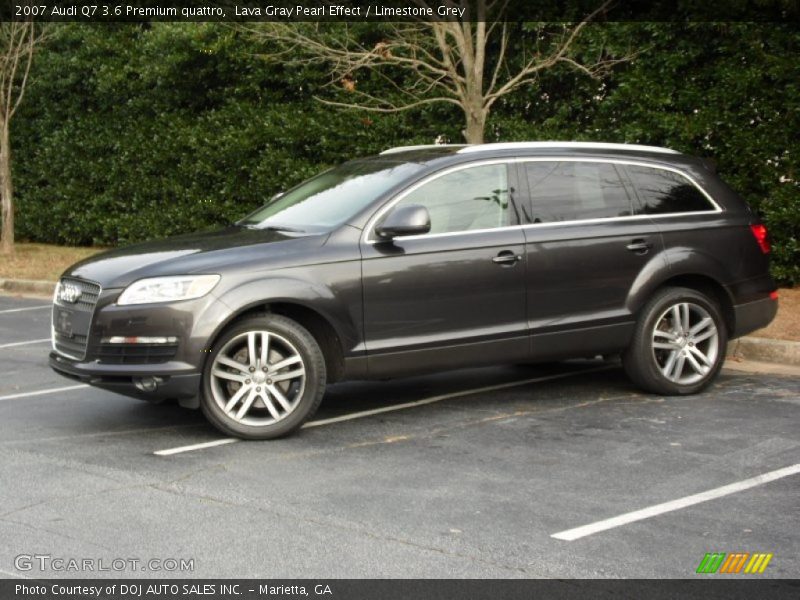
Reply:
x=6, y=191
x=476, y=123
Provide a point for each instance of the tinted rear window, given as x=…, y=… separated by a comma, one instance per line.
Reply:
x=572, y=191
x=663, y=192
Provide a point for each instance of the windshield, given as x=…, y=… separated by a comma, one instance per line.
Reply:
x=330, y=198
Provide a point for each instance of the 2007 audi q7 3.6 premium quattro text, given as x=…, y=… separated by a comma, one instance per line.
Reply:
x=427, y=258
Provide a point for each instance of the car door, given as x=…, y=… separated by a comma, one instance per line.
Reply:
x=586, y=251
x=456, y=295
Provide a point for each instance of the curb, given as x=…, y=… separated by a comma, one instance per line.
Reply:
x=766, y=350
x=29, y=286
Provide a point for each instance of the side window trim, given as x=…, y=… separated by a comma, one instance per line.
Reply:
x=630, y=190
x=513, y=181
x=640, y=201
x=630, y=187
x=629, y=199
x=515, y=213
x=619, y=165
x=521, y=198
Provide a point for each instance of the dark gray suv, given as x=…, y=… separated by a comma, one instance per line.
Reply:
x=427, y=258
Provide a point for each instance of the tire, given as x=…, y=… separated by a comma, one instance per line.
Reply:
x=662, y=358
x=250, y=398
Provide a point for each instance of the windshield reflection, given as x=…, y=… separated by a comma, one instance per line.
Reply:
x=330, y=198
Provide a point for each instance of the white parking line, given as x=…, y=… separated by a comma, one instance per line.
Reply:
x=43, y=392
x=178, y=450
x=394, y=407
x=659, y=509
x=14, y=344
x=13, y=310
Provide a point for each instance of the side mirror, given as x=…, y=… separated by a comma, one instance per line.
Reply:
x=411, y=219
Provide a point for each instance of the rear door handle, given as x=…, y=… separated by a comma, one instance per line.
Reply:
x=639, y=246
x=507, y=257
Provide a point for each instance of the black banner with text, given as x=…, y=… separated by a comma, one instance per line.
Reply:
x=89, y=11
x=384, y=589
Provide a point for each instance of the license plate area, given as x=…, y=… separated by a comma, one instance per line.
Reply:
x=63, y=322
x=72, y=321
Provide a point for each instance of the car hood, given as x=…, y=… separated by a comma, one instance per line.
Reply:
x=230, y=249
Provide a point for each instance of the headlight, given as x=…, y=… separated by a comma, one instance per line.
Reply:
x=168, y=289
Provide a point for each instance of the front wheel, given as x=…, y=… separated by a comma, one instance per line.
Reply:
x=679, y=343
x=264, y=378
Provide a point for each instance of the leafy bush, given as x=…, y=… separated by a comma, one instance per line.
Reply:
x=134, y=132
x=781, y=212
x=130, y=132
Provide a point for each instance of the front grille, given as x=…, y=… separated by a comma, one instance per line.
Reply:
x=90, y=292
x=82, y=311
x=136, y=354
x=74, y=347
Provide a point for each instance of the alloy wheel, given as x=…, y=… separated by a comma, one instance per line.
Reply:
x=258, y=378
x=685, y=343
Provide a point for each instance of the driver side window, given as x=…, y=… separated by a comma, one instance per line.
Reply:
x=465, y=200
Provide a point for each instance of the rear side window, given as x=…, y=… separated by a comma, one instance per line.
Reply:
x=664, y=192
x=573, y=191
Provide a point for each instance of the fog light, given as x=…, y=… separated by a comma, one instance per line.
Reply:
x=147, y=384
x=139, y=339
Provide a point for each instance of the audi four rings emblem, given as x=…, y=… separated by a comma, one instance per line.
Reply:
x=69, y=293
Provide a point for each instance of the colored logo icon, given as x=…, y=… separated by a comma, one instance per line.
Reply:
x=734, y=562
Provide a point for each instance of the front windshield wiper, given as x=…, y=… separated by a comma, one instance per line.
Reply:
x=276, y=228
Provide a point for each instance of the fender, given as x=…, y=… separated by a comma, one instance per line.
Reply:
x=672, y=263
x=341, y=308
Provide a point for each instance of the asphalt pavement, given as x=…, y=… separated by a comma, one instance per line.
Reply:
x=556, y=471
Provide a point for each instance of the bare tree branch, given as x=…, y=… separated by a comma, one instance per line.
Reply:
x=387, y=109
x=457, y=61
x=535, y=65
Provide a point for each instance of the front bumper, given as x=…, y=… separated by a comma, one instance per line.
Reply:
x=176, y=380
x=118, y=366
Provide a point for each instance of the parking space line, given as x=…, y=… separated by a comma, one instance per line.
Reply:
x=659, y=509
x=43, y=392
x=14, y=344
x=13, y=310
x=394, y=407
x=170, y=451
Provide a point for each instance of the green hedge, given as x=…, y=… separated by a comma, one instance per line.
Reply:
x=130, y=132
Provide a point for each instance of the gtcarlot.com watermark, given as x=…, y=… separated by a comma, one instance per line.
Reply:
x=61, y=564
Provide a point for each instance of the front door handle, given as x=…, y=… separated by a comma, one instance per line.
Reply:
x=507, y=257
x=639, y=246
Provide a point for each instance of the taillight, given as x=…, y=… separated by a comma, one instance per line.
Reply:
x=760, y=233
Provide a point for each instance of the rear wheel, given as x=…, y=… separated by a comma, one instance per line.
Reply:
x=265, y=377
x=679, y=343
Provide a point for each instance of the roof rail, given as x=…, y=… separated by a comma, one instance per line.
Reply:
x=556, y=145
x=420, y=147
